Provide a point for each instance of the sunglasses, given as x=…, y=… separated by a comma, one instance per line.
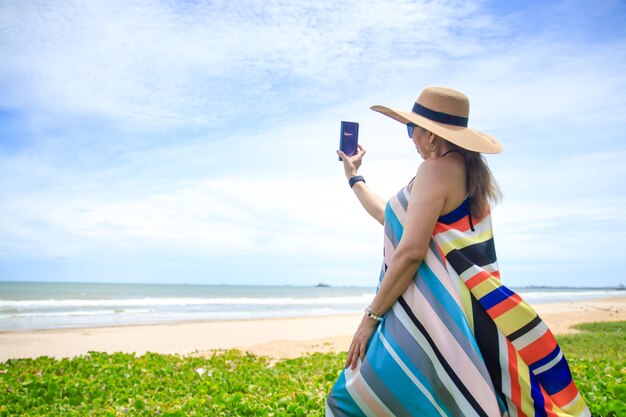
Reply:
x=409, y=128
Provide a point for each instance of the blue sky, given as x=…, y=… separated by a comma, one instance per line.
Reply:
x=194, y=142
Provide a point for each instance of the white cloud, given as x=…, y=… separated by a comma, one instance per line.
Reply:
x=202, y=130
x=160, y=64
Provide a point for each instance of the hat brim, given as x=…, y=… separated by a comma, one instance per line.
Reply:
x=465, y=137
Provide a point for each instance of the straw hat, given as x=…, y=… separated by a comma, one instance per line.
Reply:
x=445, y=112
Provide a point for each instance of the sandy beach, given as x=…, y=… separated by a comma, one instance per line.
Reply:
x=277, y=338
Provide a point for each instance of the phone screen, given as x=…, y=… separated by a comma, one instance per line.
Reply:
x=349, y=138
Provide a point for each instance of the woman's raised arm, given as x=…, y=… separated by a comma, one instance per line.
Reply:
x=371, y=202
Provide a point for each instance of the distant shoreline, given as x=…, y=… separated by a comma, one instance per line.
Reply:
x=619, y=287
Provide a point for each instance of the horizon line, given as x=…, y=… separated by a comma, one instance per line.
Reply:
x=318, y=285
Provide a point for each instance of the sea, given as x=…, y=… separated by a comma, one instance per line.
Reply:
x=36, y=305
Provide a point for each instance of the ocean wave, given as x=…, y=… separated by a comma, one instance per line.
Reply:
x=565, y=294
x=188, y=301
x=74, y=313
x=57, y=320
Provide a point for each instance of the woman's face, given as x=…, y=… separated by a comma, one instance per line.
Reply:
x=421, y=139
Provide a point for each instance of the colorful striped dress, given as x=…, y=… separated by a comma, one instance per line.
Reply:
x=457, y=342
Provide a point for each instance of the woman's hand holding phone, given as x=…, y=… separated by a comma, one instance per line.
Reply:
x=351, y=164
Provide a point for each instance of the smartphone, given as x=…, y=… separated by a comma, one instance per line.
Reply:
x=349, y=138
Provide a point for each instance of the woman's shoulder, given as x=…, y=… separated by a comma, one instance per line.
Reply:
x=444, y=177
x=442, y=169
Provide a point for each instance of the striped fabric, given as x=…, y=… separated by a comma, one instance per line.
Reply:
x=457, y=342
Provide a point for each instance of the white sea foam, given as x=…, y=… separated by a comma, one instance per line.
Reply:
x=566, y=293
x=252, y=301
x=73, y=313
x=188, y=301
x=45, y=306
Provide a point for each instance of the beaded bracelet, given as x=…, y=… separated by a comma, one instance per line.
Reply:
x=372, y=314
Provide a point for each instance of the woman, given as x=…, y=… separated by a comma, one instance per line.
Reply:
x=443, y=336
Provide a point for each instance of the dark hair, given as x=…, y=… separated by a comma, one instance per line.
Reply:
x=482, y=188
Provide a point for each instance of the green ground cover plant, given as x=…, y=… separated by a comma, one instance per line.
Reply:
x=597, y=357
x=232, y=383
